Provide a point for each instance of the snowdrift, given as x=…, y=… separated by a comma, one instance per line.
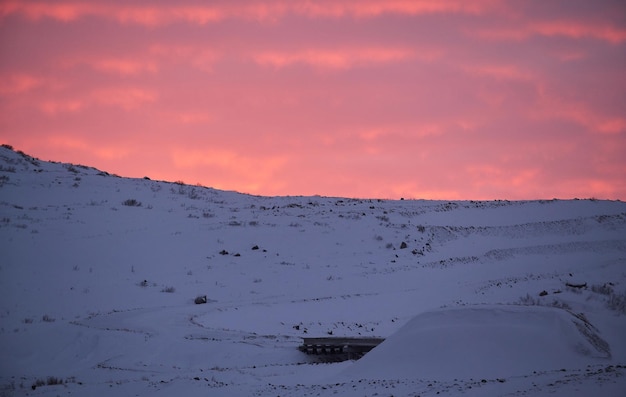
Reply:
x=483, y=342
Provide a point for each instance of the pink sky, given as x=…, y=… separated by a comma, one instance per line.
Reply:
x=377, y=99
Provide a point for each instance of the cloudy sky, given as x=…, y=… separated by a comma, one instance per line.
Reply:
x=379, y=99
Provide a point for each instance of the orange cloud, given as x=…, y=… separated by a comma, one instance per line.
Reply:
x=199, y=57
x=118, y=65
x=66, y=141
x=53, y=107
x=126, y=98
x=407, y=131
x=611, y=126
x=192, y=117
x=147, y=15
x=18, y=83
x=578, y=30
x=501, y=72
x=150, y=15
x=405, y=7
x=503, y=178
x=570, y=29
x=123, y=66
x=232, y=168
x=578, y=112
x=111, y=153
x=333, y=59
x=37, y=10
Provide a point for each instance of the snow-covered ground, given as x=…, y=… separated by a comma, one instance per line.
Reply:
x=98, y=276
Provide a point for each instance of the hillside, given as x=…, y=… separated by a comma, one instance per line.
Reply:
x=99, y=274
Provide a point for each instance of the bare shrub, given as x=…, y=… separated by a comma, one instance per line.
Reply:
x=51, y=381
x=169, y=290
x=560, y=304
x=604, y=289
x=617, y=302
x=528, y=300
x=132, y=203
x=7, y=169
x=54, y=381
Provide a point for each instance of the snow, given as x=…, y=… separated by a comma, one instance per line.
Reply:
x=84, y=281
x=484, y=342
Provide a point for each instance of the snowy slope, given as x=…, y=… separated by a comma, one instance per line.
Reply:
x=100, y=294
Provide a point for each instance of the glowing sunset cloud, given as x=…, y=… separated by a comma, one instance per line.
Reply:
x=384, y=99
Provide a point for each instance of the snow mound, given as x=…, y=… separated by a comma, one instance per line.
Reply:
x=483, y=342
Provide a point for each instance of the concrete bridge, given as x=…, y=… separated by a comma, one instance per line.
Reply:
x=339, y=348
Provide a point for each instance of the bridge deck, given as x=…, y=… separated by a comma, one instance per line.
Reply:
x=346, y=348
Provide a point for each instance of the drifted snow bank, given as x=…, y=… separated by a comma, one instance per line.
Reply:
x=483, y=342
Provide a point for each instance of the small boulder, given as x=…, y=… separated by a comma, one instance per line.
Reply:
x=200, y=300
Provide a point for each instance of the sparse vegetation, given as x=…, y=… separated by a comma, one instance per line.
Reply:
x=604, y=289
x=615, y=302
x=529, y=300
x=132, y=203
x=169, y=290
x=7, y=169
x=50, y=381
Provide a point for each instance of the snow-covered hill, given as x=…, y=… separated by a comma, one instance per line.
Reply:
x=98, y=276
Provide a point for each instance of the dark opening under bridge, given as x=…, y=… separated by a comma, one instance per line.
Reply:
x=339, y=348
